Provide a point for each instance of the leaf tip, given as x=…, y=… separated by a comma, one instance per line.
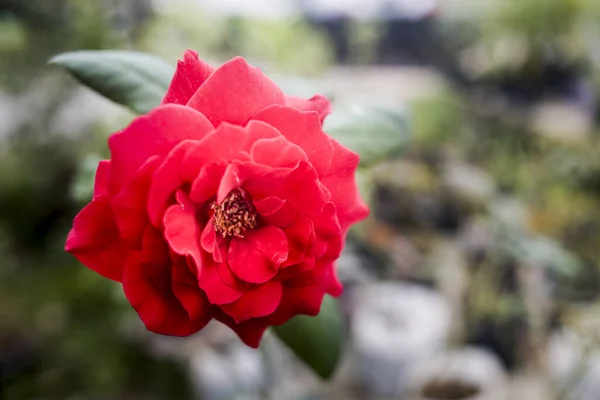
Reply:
x=59, y=59
x=54, y=60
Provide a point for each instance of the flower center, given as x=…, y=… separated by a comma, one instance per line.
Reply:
x=234, y=215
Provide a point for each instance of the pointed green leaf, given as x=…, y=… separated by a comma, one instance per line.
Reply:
x=373, y=132
x=136, y=80
x=316, y=340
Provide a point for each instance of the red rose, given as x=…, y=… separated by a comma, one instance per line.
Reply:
x=228, y=201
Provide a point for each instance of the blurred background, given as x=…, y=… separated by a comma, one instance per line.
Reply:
x=476, y=276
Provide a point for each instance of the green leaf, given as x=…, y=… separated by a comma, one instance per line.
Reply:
x=374, y=132
x=136, y=80
x=316, y=340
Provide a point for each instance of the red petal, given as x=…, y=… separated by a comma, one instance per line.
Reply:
x=275, y=211
x=308, y=273
x=102, y=178
x=155, y=250
x=166, y=179
x=236, y=175
x=235, y=92
x=230, y=279
x=256, y=257
x=333, y=250
x=212, y=243
x=327, y=223
x=205, y=186
x=302, y=300
x=329, y=237
x=152, y=134
x=129, y=205
x=258, y=302
x=329, y=250
x=277, y=152
x=342, y=185
x=268, y=205
x=227, y=143
x=317, y=103
x=250, y=331
x=230, y=180
x=217, y=291
x=334, y=286
x=322, y=275
x=94, y=240
x=300, y=237
x=267, y=183
x=304, y=130
x=160, y=311
x=190, y=75
x=291, y=274
x=186, y=290
x=223, y=144
x=181, y=228
x=303, y=189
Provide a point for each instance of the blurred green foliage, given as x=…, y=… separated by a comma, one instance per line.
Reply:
x=526, y=44
x=288, y=45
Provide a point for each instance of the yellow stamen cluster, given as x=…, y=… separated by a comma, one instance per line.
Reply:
x=234, y=215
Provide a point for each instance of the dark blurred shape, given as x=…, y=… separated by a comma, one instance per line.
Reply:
x=334, y=22
x=337, y=29
x=17, y=358
x=404, y=208
x=419, y=42
x=36, y=199
x=502, y=337
x=409, y=34
x=38, y=14
x=449, y=390
x=543, y=78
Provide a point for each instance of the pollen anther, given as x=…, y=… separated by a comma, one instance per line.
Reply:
x=235, y=215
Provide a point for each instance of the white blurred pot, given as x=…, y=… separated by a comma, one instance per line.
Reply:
x=394, y=327
x=222, y=367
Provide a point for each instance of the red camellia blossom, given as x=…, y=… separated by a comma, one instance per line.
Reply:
x=227, y=201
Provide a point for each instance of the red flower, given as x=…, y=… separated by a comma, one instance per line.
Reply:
x=228, y=201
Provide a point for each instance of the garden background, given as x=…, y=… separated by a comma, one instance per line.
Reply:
x=476, y=275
